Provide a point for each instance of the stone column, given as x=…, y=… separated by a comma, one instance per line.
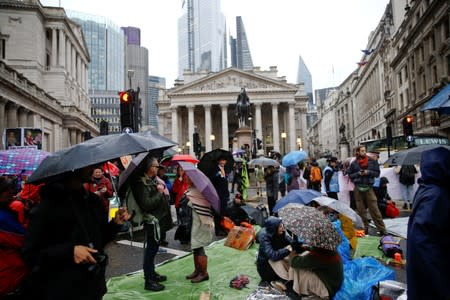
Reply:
x=54, y=48
x=275, y=128
x=30, y=119
x=175, y=136
x=208, y=142
x=73, y=67
x=224, y=108
x=62, y=48
x=258, y=121
x=23, y=117
x=78, y=66
x=292, y=132
x=191, y=127
x=68, y=56
x=11, y=119
x=73, y=136
x=2, y=118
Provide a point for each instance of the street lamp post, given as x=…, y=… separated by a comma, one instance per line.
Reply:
x=188, y=145
x=284, y=136
x=212, y=137
x=299, y=143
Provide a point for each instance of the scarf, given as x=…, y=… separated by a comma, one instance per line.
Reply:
x=201, y=206
x=363, y=162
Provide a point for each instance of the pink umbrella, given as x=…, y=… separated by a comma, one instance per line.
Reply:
x=20, y=161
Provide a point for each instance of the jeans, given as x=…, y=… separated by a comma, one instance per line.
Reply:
x=407, y=193
x=150, y=252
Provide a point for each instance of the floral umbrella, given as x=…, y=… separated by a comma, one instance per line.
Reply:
x=310, y=225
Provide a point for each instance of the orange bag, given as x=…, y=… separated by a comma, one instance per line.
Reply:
x=240, y=237
x=227, y=224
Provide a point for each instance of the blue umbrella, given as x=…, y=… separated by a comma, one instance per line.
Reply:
x=439, y=102
x=293, y=158
x=297, y=196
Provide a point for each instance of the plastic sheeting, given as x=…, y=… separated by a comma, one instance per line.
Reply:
x=223, y=264
x=397, y=226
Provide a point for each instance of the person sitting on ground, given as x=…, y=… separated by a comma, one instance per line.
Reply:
x=382, y=194
x=274, y=245
x=235, y=212
x=318, y=272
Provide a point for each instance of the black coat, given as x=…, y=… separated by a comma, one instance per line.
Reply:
x=55, y=228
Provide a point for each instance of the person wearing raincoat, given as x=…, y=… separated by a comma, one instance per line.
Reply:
x=428, y=243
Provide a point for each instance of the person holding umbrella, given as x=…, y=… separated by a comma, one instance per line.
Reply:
x=201, y=232
x=149, y=195
x=220, y=182
x=65, y=241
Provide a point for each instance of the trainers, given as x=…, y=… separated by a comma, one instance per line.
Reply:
x=160, y=278
x=151, y=285
x=410, y=206
x=405, y=206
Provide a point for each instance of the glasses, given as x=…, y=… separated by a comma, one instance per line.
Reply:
x=155, y=166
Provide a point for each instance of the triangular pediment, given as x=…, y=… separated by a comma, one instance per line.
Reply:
x=232, y=80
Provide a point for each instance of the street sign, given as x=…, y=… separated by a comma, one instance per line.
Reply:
x=127, y=130
x=410, y=138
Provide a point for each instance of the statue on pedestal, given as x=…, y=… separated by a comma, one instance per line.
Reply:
x=342, y=133
x=243, y=107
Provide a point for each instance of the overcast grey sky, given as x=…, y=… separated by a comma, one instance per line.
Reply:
x=328, y=34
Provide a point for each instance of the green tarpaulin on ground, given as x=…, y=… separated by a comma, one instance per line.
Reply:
x=223, y=264
x=368, y=246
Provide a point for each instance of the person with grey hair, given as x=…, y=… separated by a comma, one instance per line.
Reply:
x=149, y=195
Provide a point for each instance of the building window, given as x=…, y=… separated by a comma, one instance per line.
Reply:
x=434, y=74
x=401, y=102
x=433, y=42
x=424, y=84
x=400, y=81
x=2, y=48
x=406, y=72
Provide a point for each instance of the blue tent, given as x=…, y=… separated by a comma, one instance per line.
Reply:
x=439, y=102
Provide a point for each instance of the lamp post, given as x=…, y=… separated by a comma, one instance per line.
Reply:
x=253, y=138
x=188, y=145
x=299, y=143
x=284, y=136
x=212, y=137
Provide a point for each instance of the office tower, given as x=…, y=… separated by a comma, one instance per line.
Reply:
x=155, y=85
x=136, y=66
x=133, y=35
x=303, y=75
x=240, y=51
x=201, y=37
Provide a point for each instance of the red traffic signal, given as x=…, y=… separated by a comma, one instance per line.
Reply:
x=409, y=119
x=125, y=97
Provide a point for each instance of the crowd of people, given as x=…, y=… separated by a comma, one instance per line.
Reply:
x=64, y=225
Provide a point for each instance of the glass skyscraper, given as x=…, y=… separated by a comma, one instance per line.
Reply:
x=202, y=37
x=106, y=43
x=240, y=51
x=155, y=84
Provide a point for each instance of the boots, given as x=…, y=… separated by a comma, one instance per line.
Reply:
x=202, y=269
x=196, y=270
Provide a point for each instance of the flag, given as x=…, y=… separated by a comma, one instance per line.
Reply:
x=362, y=63
x=368, y=51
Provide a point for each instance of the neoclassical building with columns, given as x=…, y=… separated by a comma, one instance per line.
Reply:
x=43, y=72
x=206, y=103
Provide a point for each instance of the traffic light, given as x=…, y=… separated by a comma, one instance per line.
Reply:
x=408, y=130
x=126, y=110
x=259, y=144
x=408, y=125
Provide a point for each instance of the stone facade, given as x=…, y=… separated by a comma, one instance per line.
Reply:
x=44, y=67
x=206, y=103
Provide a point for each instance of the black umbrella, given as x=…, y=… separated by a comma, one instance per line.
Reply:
x=255, y=214
x=208, y=163
x=97, y=150
x=411, y=156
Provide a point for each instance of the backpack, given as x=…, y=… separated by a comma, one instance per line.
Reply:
x=135, y=211
x=264, y=212
x=390, y=245
x=407, y=174
x=315, y=176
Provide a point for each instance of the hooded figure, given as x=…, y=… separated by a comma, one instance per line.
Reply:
x=272, y=241
x=428, y=243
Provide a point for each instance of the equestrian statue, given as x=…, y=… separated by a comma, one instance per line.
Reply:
x=243, y=108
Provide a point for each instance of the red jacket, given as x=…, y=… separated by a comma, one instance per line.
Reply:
x=179, y=188
x=94, y=186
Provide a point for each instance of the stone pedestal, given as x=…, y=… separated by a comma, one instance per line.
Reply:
x=243, y=136
x=344, y=149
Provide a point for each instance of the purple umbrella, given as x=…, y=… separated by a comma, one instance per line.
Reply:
x=202, y=183
x=16, y=161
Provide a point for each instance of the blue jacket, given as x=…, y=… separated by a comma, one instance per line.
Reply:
x=271, y=245
x=331, y=180
x=428, y=243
